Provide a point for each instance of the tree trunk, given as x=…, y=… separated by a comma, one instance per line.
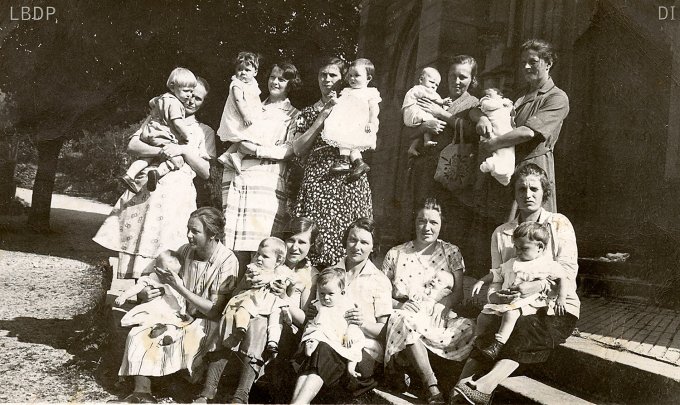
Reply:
x=8, y=186
x=48, y=158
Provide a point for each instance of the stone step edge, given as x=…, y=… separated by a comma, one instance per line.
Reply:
x=522, y=387
x=541, y=393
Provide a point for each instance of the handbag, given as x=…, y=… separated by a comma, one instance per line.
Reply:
x=457, y=163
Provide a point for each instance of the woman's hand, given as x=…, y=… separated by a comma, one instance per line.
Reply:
x=258, y=278
x=168, y=277
x=484, y=127
x=247, y=148
x=431, y=107
x=172, y=150
x=561, y=306
x=354, y=316
x=148, y=293
x=278, y=287
x=434, y=126
x=488, y=145
x=528, y=288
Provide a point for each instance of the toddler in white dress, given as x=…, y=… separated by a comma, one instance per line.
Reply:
x=242, y=116
x=353, y=123
x=329, y=325
x=530, y=264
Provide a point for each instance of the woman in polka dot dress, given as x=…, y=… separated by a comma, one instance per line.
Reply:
x=331, y=200
x=409, y=267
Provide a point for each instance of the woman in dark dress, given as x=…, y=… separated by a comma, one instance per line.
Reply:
x=332, y=201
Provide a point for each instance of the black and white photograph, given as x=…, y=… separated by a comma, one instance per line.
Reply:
x=340, y=201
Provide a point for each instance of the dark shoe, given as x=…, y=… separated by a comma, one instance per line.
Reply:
x=235, y=338
x=341, y=166
x=136, y=398
x=359, y=169
x=471, y=395
x=153, y=177
x=491, y=351
x=129, y=183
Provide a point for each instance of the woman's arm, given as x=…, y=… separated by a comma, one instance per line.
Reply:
x=374, y=329
x=205, y=306
x=516, y=136
x=302, y=144
x=191, y=157
x=141, y=149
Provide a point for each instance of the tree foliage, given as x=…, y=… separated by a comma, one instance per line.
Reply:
x=96, y=63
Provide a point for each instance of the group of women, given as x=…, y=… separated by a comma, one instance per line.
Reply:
x=329, y=223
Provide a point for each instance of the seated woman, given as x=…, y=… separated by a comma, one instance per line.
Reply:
x=534, y=336
x=206, y=280
x=410, y=267
x=300, y=237
x=369, y=289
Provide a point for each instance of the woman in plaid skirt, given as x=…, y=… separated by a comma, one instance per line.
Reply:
x=254, y=198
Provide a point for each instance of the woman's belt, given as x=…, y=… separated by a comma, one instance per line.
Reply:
x=261, y=161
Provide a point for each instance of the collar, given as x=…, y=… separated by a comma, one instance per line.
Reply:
x=547, y=86
x=284, y=105
x=510, y=226
x=368, y=269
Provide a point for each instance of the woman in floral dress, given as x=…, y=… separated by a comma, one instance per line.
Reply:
x=330, y=200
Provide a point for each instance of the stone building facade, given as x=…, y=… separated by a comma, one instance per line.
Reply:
x=618, y=156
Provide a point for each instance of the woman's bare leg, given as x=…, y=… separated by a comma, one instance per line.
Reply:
x=500, y=371
x=418, y=357
x=306, y=388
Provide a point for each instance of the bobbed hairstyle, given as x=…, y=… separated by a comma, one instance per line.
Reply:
x=533, y=231
x=248, y=59
x=275, y=243
x=532, y=169
x=301, y=225
x=366, y=64
x=366, y=224
x=291, y=74
x=331, y=275
x=544, y=49
x=466, y=60
x=213, y=221
x=429, y=203
x=181, y=77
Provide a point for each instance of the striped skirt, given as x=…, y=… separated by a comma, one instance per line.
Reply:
x=147, y=356
x=254, y=203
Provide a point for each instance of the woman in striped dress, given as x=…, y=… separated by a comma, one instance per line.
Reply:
x=207, y=280
x=254, y=199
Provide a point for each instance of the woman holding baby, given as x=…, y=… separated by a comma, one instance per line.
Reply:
x=534, y=336
x=254, y=198
x=415, y=268
x=369, y=290
x=206, y=280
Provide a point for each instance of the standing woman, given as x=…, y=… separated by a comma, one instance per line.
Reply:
x=451, y=125
x=328, y=199
x=539, y=115
x=206, y=280
x=143, y=225
x=254, y=200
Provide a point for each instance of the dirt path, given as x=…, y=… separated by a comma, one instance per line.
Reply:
x=48, y=284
